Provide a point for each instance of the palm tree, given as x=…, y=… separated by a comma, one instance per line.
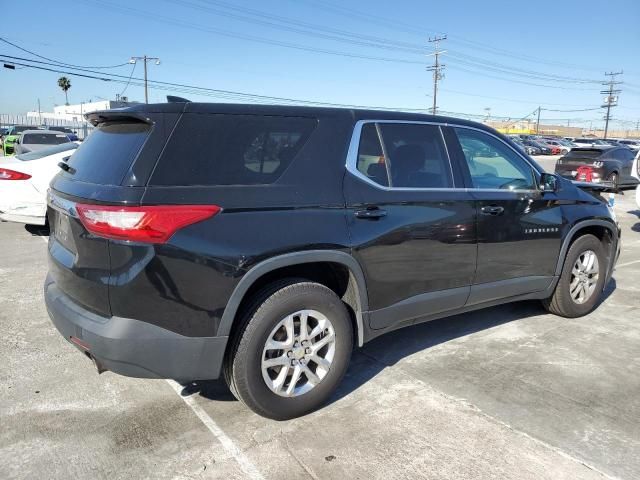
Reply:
x=65, y=84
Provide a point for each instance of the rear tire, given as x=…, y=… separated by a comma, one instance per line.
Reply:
x=613, y=178
x=277, y=369
x=579, y=289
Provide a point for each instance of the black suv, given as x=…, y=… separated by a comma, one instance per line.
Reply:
x=599, y=164
x=264, y=242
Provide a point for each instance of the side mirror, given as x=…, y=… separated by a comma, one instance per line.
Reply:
x=548, y=182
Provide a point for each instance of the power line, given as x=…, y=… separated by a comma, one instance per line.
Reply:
x=367, y=41
x=133, y=69
x=233, y=95
x=419, y=30
x=56, y=61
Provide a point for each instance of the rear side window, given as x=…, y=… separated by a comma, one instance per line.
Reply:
x=106, y=155
x=215, y=149
x=371, y=161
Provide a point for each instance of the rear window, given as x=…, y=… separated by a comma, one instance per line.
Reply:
x=44, y=139
x=214, y=149
x=106, y=155
x=584, y=153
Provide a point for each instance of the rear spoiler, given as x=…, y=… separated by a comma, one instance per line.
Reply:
x=101, y=116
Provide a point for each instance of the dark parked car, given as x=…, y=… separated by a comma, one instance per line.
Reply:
x=73, y=136
x=544, y=149
x=263, y=243
x=597, y=164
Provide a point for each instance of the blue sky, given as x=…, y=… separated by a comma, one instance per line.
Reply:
x=506, y=56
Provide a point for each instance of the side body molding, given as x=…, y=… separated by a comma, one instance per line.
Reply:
x=296, y=258
x=589, y=223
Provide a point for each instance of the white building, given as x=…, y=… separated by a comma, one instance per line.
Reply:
x=74, y=113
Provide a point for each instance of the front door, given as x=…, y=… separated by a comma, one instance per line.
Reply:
x=519, y=227
x=412, y=231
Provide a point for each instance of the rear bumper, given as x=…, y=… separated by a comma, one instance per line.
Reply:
x=131, y=347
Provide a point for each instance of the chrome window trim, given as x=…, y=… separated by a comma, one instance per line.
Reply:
x=352, y=158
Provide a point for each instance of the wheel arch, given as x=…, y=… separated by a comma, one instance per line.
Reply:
x=355, y=289
x=595, y=227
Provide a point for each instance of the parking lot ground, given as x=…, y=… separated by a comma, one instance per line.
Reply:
x=509, y=392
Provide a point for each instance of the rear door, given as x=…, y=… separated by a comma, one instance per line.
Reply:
x=412, y=228
x=519, y=227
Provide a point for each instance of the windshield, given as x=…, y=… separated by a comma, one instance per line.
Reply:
x=44, y=139
x=61, y=129
x=45, y=152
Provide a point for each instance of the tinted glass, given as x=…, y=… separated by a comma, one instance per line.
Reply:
x=417, y=156
x=371, y=161
x=108, y=152
x=627, y=155
x=584, y=154
x=44, y=139
x=208, y=149
x=20, y=129
x=45, y=152
x=492, y=163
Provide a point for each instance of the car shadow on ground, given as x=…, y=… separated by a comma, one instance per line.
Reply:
x=389, y=349
x=37, y=230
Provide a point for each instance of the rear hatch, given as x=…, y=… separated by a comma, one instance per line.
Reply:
x=582, y=156
x=108, y=160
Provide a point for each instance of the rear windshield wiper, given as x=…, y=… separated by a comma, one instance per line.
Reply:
x=66, y=167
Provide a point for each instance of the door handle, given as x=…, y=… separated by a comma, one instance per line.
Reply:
x=371, y=213
x=492, y=210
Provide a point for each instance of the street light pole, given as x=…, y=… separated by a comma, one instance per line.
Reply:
x=145, y=59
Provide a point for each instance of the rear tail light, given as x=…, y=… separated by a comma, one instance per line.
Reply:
x=6, y=174
x=584, y=174
x=149, y=224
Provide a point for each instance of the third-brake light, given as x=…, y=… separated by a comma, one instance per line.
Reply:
x=148, y=224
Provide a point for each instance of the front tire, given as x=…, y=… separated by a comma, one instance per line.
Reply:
x=293, y=350
x=580, y=286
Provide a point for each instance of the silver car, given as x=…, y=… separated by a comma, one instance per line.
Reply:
x=32, y=140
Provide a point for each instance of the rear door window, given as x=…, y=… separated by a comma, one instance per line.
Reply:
x=106, y=155
x=417, y=156
x=217, y=149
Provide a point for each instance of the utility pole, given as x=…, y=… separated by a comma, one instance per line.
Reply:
x=611, y=100
x=437, y=69
x=39, y=113
x=538, y=122
x=145, y=59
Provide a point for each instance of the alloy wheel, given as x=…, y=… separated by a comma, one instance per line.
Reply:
x=584, y=277
x=298, y=353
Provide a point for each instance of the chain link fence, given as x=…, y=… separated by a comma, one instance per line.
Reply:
x=80, y=128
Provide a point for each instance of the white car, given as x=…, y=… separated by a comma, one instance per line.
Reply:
x=635, y=172
x=24, y=180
